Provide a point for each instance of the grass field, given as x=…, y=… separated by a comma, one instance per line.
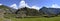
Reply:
x=35, y=19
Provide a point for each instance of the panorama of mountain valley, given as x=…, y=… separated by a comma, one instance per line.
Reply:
x=29, y=10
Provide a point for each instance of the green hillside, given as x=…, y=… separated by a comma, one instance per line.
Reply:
x=4, y=7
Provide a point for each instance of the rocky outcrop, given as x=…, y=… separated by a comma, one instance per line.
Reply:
x=2, y=13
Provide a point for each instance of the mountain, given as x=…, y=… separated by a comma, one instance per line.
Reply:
x=50, y=11
x=7, y=9
x=27, y=11
x=4, y=7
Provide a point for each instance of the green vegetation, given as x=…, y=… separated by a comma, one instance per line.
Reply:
x=38, y=19
x=35, y=19
x=1, y=19
x=4, y=7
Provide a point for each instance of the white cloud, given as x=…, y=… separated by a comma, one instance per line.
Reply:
x=36, y=7
x=0, y=4
x=55, y=6
x=14, y=6
x=27, y=5
x=22, y=4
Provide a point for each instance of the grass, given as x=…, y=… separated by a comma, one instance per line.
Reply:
x=37, y=19
x=34, y=19
x=1, y=19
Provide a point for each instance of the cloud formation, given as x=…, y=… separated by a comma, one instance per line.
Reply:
x=1, y=4
x=55, y=6
x=35, y=7
x=14, y=6
x=22, y=4
x=27, y=5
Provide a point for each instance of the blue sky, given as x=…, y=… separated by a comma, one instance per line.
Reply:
x=31, y=3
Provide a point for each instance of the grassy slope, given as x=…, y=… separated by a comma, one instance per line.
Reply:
x=37, y=19
x=4, y=7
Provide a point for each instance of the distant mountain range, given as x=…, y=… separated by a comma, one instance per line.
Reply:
x=31, y=12
x=50, y=11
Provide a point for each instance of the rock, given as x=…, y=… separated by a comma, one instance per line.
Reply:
x=2, y=13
